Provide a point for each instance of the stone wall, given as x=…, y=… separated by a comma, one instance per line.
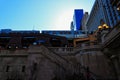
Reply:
x=12, y=65
x=39, y=64
x=96, y=62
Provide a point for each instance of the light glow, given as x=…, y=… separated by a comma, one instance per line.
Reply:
x=99, y=27
x=63, y=20
x=118, y=8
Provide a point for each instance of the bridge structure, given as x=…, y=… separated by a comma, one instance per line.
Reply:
x=19, y=40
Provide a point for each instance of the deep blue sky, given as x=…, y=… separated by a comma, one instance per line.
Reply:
x=40, y=14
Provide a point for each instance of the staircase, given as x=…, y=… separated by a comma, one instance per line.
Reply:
x=71, y=71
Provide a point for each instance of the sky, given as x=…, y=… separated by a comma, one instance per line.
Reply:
x=40, y=14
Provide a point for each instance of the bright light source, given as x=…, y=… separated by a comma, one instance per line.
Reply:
x=118, y=8
x=99, y=27
x=104, y=24
x=64, y=19
x=107, y=26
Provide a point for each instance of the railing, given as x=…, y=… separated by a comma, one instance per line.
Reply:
x=16, y=53
x=71, y=68
x=64, y=50
x=56, y=58
x=72, y=50
x=53, y=57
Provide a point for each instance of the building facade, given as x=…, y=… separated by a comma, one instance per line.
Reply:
x=102, y=13
x=116, y=5
x=107, y=12
x=77, y=18
x=84, y=21
x=68, y=34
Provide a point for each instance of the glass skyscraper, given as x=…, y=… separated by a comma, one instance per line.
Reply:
x=77, y=18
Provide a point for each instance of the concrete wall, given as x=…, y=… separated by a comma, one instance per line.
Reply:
x=41, y=67
x=13, y=65
x=36, y=66
x=96, y=62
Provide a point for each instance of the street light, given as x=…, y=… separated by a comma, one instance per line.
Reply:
x=103, y=27
x=102, y=31
x=99, y=27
